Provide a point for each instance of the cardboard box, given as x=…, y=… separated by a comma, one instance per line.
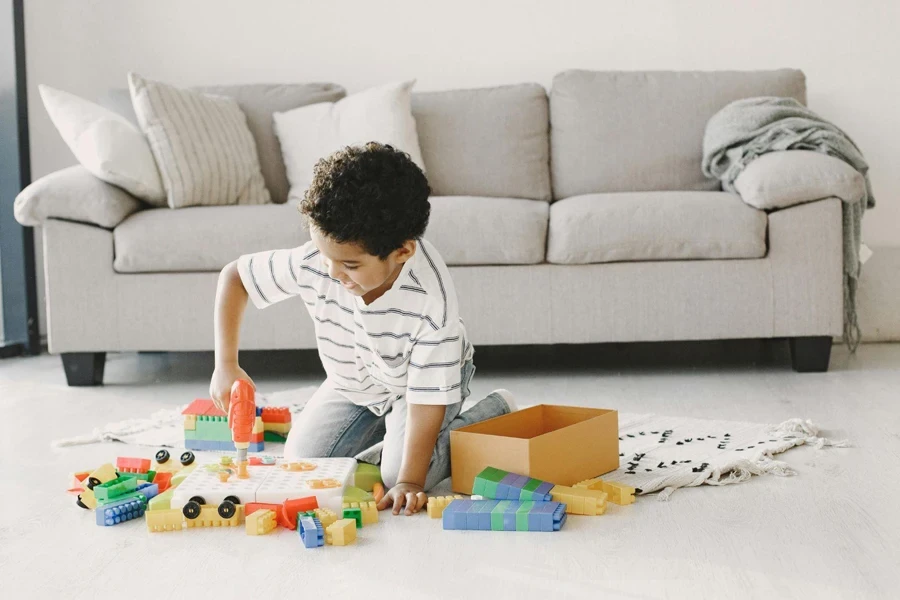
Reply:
x=559, y=444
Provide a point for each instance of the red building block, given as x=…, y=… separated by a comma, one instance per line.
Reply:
x=132, y=465
x=276, y=414
x=291, y=508
x=163, y=480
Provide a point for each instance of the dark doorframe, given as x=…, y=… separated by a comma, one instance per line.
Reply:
x=18, y=289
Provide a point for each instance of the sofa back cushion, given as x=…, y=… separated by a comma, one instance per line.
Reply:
x=259, y=102
x=486, y=142
x=617, y=131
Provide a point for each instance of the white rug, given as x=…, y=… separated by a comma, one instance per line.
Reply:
x=657, y=453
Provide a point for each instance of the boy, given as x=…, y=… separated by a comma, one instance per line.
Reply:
x=395, y=351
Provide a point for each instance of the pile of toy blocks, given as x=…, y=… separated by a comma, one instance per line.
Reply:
x=122, y=492
x=206, y=428
x=503, y=501
x=276, y=422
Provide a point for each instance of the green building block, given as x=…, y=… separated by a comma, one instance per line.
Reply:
x=532, y=485
x=114, y=489
x=353, y=513
x=522, y=516
x=210, y=430
x=354, y=494
x=161, y=501
x=367, y=476
x=486, y=482
x=273, y=436
x=134, y=494
x=497, y=515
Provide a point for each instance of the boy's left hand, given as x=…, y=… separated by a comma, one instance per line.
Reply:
x=404, y=494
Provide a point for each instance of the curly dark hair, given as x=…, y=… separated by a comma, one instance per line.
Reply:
x=372, y=195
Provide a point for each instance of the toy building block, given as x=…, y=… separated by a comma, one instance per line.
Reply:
x=181, y=475
x=502, y=485
x=341, y=533
x=355, y=494
x=125, y=464
x=298, y=466
x=209, y=517
x=105, y=492
x=311, y=532
x=325, y=516
x=102, y=474
x=170, y=519
x=504, y=515
x=355, y=514
x=275, y=414
x=367, y=476
x=291, y=508
x=120, y=511
x=162, y=501
x=437, y=504
x=617, y=493
x=149, y=490
x=369, y=511
x=261, y=522
x=163, y=480
x=580, y=501
x=378, y=492
x=76, y=484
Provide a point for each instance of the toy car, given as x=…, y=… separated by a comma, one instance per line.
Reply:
x=227, y=509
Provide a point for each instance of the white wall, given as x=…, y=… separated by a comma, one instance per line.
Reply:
x=850, y=52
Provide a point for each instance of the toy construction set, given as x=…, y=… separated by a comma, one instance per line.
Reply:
x=505, y=465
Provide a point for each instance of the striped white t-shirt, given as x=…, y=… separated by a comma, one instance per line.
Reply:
x=409, y=342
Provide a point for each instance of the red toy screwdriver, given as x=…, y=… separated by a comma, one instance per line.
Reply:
x=241, y=417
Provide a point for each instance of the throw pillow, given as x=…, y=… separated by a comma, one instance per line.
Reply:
x=785, y=178
x=203, y=147
x=106, y=144
x=381, y=114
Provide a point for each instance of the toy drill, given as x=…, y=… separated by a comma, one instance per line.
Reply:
x=241, y=417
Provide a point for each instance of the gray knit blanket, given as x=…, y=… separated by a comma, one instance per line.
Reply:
x=748, y=128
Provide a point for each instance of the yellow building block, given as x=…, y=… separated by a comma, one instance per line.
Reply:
x=180, y=476
x=164, y=520
x=369, y=511
x=102, y=474
x=437, y=504
x=580, y=500
x=326, y=516
x=341, y=533
x=279, y=428
x=258, y=425
x=209, y=517
x=618, y=493
x=190, y=422
x=261, y=522
x=161, y=501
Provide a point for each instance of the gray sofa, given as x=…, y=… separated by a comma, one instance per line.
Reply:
x=575, y=217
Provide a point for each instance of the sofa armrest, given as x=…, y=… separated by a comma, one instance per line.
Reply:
x=74, y=194
x=782, y=179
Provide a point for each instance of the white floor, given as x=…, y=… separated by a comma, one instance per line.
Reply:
x=831, y=532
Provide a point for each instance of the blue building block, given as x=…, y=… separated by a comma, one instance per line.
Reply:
x=121, y=511
x=148, y=490
x=311, y=532
x=513, y=515
x=220, y=446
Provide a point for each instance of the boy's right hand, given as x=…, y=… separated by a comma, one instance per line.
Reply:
x=222, y=379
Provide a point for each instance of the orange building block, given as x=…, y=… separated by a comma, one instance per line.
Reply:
x=275, y=414
x=292, y=507
x=125, y=464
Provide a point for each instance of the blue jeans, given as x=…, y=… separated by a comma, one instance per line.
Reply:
x=331, y=425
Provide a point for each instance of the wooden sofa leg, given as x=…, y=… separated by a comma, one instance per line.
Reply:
x=84, y=368
x=810, y=354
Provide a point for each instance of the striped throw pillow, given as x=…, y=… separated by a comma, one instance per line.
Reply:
x=203, y=147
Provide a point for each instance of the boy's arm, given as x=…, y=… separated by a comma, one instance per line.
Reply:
x=231, y=300
x=423, y=424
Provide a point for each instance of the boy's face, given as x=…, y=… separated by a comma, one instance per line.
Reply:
x=358, y=271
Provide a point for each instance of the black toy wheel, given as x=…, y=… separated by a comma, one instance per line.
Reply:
x=91, y=482
x=198, y=499
x=191, y=510
x=80, y=503
x=227, y=509
x=232, y=499
x=162, y=456
x=186, y=458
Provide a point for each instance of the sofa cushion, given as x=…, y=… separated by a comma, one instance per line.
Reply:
x=486, y=142
x=643, y=226
x=465, y=230
x=469, y=230
x=259, y=102
x=643, y=131
x=203, y=238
